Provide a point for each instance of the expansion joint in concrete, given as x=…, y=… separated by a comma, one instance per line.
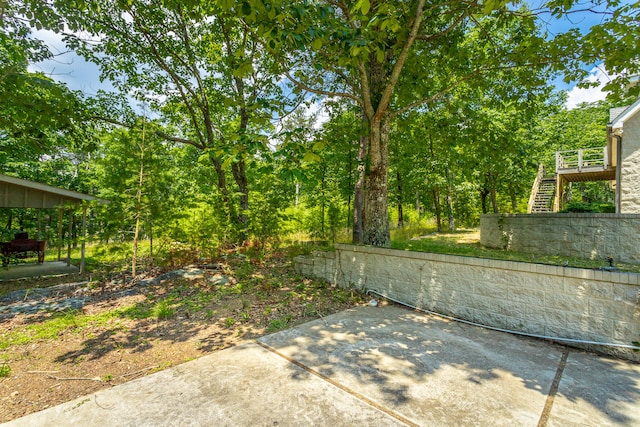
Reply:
x=544, y=418
x=354, y=393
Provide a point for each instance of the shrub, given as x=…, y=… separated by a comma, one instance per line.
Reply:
x=582, y=207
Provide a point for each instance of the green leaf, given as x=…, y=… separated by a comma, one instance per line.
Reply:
x=310, y=157
x=316, y=44
x=489, y=5
x=226, y=4
x=365, y=5
x=246, y=8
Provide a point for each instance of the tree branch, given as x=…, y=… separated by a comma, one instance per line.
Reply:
x=402, y=58
x=308, y=88
x=437, y=95
x=179, y=140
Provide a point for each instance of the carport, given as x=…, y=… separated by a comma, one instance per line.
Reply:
x=21, y=193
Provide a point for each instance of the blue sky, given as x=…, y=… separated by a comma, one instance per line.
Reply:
x=69, y=68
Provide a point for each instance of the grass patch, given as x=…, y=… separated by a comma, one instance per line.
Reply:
x=69, y=321
x=279, y=323
x=163, y=310
x=467, y=243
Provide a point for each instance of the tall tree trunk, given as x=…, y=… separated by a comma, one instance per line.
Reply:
x=491, y=179
x=435, y=190
x=437, y=208
x=452, y=220
x=240, y=176
x=452, y=223
x=400, y=215
x=322, y=201
x=151, y=239
x=494, y=200
x=358, y=190
x=350, y=185
x=483, y=199
x=235, y=51
x=224, y=191
x=376, y=187
x=138, y=207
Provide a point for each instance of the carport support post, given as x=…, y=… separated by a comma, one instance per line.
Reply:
x=84, y=234
x=39, y=224
x=70, y=230
x=59, y=233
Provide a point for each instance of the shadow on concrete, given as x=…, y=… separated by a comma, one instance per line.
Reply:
x=425, y=367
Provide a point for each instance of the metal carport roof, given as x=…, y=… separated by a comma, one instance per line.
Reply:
x=21, y=193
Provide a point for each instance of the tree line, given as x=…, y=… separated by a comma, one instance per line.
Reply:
x=430, y=109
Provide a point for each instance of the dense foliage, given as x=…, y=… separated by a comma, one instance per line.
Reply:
x=434, y=111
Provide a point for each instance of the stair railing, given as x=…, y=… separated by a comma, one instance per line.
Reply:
x=535, y=188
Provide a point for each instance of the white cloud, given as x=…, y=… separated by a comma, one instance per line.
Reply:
x=319, y=111
x=68, y=67
x=577, y=95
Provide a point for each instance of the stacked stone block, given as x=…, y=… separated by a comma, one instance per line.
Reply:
x=579, y=235
x=579, y=304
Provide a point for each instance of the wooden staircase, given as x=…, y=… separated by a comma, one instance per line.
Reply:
x=544, y=199
x=543, y=192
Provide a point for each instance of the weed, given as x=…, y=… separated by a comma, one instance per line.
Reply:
x=163, y=310
x=5, y=370
x=82, y=402
x=279, y=323
x=308, y=310
x=107, y=378
x=229, y=322
x=245, y=316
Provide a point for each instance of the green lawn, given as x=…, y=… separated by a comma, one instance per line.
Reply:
x=467, y=243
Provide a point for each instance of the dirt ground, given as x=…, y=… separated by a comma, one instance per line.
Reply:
x=125, y=329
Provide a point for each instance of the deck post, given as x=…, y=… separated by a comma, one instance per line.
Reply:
x=579, y=160
x=559, y=188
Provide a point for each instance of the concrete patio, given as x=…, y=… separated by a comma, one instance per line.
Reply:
x=47, y=268
x=372, y=366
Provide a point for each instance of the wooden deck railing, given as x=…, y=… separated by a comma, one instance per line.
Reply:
x=587, y=158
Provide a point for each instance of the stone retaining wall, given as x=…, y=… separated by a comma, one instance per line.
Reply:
x=589, y=305
x=580, y=235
